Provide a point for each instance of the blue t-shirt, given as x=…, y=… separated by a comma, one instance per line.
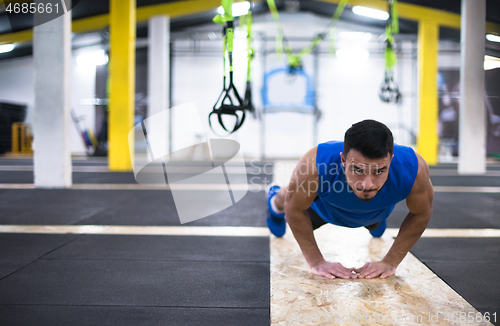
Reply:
x=337, y=204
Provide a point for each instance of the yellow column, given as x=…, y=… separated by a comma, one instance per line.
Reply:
x=427, y=141
x=122, y=82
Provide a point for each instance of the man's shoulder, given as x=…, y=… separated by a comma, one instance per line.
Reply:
x=328, y=161
x=404, y=155
x=403, y=170
x=422, y=179
x=329, y=151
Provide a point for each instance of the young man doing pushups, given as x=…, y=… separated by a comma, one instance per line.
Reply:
x=354, y=183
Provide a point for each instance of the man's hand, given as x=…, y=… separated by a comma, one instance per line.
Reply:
x=332, y=270
x=375, y=269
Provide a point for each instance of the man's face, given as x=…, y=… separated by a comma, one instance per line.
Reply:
x=365, y=176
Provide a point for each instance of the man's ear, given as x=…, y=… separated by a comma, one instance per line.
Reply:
x=342, y=158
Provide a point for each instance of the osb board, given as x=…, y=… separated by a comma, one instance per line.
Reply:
x=413, y=296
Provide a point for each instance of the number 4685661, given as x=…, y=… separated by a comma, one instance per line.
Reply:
x=470, y=317
x=32, y=8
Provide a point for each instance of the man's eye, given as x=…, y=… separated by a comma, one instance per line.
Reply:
x=359, y=172
x=379, y=172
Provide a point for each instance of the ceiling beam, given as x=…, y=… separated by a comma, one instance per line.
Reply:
x=172, y=9
x=191, y=7
x=24, y=36
x=418, y=13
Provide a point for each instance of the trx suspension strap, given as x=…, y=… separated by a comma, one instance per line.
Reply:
x=336, y=16
x=247, y=101
x=279, y=37
x=227, y=104
x=295, y=60
x=389, y=91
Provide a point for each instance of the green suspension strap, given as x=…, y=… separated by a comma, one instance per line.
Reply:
x=220, y=20
x=336, y=16
x=247, y=101
x=227, y=104
x=279, y=37
x=393, y=7
x=389, y=91
x=295, y=60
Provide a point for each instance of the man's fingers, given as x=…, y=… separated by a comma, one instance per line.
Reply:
x=341, y=271
x=366, y=272
x=324, y=273
x=334, y=274
x=340, y=274
x=373, y=274
x=330, y=276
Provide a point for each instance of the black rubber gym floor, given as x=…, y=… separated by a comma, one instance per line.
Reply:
x=49, y=279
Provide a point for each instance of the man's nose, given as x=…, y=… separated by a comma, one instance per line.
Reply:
x=368, y=183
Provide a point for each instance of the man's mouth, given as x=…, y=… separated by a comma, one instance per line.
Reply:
x=367, y=191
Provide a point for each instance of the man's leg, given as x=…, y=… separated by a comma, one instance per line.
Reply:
x=377, y=229
x=276, y=224
x=316, y=220
x=372, y=227
x=275, y=217
x=279, y=199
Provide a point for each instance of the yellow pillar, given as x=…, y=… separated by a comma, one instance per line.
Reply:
x=427, y=141
x=122, y=82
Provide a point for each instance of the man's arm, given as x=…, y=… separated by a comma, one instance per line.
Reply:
x=302, y=190
x=419, y=203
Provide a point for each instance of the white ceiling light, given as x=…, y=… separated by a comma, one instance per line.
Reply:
x=369, y=12
x=355, y=36
x=352, y=54
x=6, y=48
x=239, y=9
x=94, y=58
x=491, y=62
x=493, y=38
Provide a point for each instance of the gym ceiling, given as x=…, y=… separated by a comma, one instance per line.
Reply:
x=95, y=8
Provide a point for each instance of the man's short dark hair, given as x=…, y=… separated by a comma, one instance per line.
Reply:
x=371, y=138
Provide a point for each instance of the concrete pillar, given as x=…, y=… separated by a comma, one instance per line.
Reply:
x=472, y=124
x=52, y=59
x=158, y=81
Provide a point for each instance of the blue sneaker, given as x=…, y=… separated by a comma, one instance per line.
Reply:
x=275, y=222
x=377, y=233
x=271, y=191
x=277, y=225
